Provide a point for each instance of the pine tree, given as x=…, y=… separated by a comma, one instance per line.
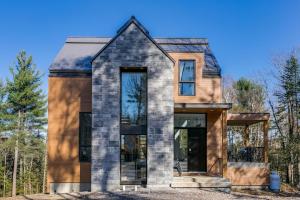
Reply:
x=287, y=113
x=250, y=96
x=26, y=103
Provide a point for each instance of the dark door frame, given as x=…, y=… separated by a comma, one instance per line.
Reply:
x=205, y=159
x=204, y=128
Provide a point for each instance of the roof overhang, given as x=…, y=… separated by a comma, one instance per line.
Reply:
x=246, y=119
x=189, y=106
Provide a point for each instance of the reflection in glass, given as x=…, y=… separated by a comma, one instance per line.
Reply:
x=187, y=77
x=189, y=120
x=134, y=101
x=187, y=89
x=181, y=148
x=187, y=70
x=85, y=134
x=133, y=159
x=133, y=127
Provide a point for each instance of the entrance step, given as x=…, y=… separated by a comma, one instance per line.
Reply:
x=200, y=182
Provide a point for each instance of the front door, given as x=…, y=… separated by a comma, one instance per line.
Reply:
x=196, y=150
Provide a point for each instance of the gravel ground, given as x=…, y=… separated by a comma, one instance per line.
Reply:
x=168, y=193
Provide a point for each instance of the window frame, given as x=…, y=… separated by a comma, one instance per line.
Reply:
x=180, y=82
x=79, y=143
x=125, y=69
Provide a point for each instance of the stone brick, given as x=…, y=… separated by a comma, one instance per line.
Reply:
x=132, y=48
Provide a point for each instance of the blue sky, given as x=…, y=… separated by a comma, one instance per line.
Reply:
x=244, y=35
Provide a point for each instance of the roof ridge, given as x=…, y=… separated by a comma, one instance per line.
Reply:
x=87, y=36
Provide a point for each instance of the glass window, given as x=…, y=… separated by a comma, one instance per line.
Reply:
x=133, y=159
x=134, y=103
x=189, y=120
x=181, y=148
x=133, y=127
x=187, y=77
x=187, y=89
x=85, y=134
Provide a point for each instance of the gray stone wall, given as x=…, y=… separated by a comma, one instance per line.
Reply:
x=131, y=49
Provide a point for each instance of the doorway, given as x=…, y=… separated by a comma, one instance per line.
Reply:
x=196, y=150
x=190, y=149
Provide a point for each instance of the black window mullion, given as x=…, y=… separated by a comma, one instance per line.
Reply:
x=85, y=134
x=183, y=82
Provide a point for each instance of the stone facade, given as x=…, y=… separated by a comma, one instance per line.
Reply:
x=131, y=48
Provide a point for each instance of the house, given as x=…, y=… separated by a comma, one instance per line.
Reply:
x=126, y=110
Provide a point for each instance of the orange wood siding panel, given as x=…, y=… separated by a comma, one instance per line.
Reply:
x=66, y=98
x=247, y=176
x=214, y=142
x=208, y=90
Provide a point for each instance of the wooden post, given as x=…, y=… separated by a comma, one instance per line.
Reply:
x=224, y=143
x=266, y=142
x=246, y=136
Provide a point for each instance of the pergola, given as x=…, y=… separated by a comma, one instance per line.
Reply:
x=245, y=120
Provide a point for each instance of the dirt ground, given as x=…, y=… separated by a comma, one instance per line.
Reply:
x=167, y=193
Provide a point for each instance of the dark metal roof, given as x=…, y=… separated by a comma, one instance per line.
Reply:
x=78, y=52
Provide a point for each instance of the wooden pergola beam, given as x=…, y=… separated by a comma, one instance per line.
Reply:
x=246, y=136
x=246, y=119
x=224, y=144
x=266, y=141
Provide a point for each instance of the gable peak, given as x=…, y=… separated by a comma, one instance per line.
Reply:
x=136, y=22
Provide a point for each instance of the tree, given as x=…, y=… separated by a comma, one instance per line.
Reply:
x=250, y=96
x=286, y=114
x=26, y=108
x=246, y=96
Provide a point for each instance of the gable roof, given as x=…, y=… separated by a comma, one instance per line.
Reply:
x=133, y=20
x=78, y=53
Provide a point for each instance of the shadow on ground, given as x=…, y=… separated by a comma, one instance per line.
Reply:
x=166, y=194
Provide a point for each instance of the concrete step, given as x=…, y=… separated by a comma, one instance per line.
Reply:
x=201, y=185
x=200, y=181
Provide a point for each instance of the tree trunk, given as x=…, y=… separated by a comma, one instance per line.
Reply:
x=4, y=176
x=45, y=167
x=21, y=174
x=29, y=179
x=14, y=185
x=25, y=176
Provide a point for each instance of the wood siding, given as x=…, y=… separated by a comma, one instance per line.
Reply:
x=248, y=176
x=66, y=98
x=69, y=96
x=208, y=89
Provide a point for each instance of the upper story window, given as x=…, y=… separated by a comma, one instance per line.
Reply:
x=134, y=102
x=85, y=134
x=187, y=77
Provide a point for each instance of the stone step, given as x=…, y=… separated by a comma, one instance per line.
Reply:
x=199, y=179
x=200, y=184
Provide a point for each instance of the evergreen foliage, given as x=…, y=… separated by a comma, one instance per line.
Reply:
x=286, y=114
x=23, y=116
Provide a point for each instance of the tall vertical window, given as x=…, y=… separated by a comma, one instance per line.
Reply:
x=187, y=77
x=85, y=135
x=133, y=127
